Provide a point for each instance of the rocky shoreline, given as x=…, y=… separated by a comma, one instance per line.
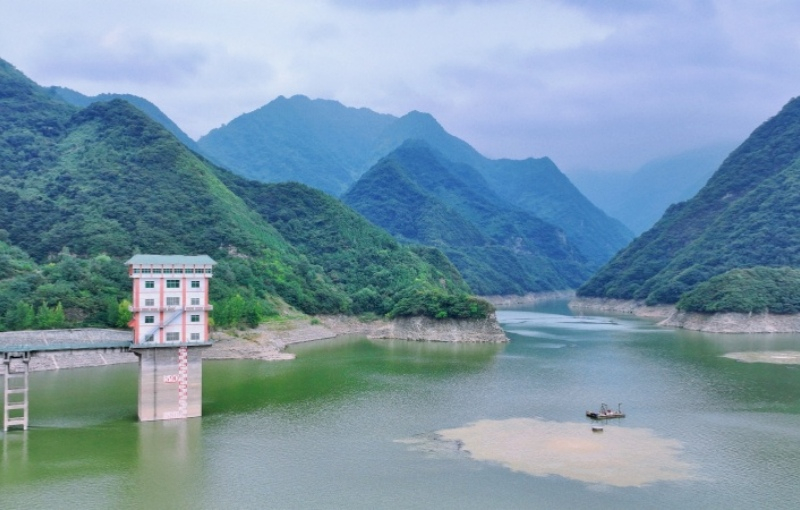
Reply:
x=269, y=340
x=530, y=298
x=669, y=316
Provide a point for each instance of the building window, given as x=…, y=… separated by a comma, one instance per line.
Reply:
x=195, y=284
x=188, y=271
x=173, y=301
x=145, y=271
x=149, y=284
x=137, y=271
x=196, y=336
x=149, y=302
x=173, y=284
x=167, y=271
x=177, y=271
x=195, y=318
x=156, y=271
x=148, y=338
x=173, y=337
x=149, y=319
x=195, y=301
x=208, y=270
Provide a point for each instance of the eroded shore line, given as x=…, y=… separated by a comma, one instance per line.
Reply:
x=269, y=340
x=669, y=316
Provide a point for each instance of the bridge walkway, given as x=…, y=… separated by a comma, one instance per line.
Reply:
x=17, y=348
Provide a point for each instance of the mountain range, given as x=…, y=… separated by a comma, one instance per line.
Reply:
x=419, y=196
x=329, y=146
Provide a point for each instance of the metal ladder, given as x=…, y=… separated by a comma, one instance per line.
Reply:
x=15, y=391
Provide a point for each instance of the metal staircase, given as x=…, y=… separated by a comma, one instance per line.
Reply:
x=15, y=390
x=151, y=335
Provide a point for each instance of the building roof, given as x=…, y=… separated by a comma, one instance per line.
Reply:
x=171, y=259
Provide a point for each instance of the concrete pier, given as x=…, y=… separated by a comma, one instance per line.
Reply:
x=170, y=382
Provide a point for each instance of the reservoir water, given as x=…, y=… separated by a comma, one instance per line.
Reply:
x=359, y=424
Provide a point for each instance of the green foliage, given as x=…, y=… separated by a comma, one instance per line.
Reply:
x=123, y=315
x=420, y=197
x=372, y=270
x=82, y=190
x=745, y=216
x=751, y=290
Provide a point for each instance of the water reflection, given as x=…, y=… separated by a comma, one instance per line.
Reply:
x=169, y=465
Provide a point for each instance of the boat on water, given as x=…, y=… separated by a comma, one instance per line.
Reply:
x=606, y=413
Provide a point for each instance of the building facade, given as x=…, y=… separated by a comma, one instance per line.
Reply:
x=170, y=298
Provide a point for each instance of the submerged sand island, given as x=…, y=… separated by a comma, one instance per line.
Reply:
x=619, y=456
x=774, y=357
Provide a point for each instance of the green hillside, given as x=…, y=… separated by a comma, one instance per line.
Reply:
x=83, y=189
x=746, y=216
x=320, y=143
x=421, y=197
x=539, y=187
x=148, y=108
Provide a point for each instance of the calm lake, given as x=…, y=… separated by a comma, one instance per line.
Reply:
x=360, y=424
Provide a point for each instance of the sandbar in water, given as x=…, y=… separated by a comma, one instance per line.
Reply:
x=618, y=456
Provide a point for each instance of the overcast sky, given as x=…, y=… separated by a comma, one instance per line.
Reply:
x=593, y=84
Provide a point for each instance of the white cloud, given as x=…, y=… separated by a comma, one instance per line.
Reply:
x=591, y=84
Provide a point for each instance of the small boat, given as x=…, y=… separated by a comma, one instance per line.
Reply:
x=606, y=413
x=597, y=428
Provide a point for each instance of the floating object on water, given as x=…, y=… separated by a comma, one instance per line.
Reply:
x=597, y=428
x=606, y=413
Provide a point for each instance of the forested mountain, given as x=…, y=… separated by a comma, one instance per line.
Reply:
x=638, y=199
x=329, y=146
x=745, y=216
x=83, y=189
x=151, y=110
x=320, y=143
x=419, y=196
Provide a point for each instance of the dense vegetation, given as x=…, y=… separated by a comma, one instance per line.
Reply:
x=378, y=274
x=752, y=290
x=746, y=216
x=329, y=146
x=420, y=197
x=83, y=189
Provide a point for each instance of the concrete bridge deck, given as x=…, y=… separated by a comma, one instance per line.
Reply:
x=69, y=348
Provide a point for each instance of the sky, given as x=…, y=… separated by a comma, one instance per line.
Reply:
x=596, y=85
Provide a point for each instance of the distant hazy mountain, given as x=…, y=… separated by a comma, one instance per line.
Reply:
x=638, y=199
x=329, y=146
x=419, y=196
x=151, y=110
x=747, y=215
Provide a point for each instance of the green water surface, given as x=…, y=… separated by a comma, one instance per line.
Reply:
x=330, y=429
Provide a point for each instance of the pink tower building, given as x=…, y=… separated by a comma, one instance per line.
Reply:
x=170, y=323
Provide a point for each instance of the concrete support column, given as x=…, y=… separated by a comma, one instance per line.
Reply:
x=170, y=382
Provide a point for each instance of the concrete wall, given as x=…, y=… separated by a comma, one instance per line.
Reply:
x=170, y=383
